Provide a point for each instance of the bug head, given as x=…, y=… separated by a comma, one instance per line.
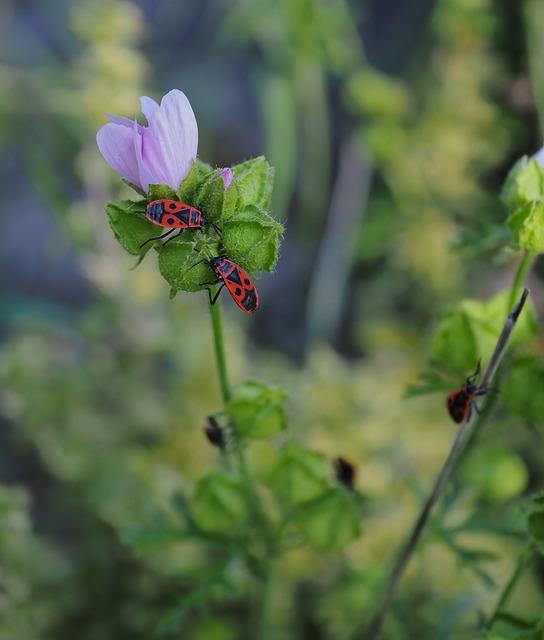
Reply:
x=216, y=262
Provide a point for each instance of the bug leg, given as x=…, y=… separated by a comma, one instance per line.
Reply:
x=217, y=230
x=214, y=299
x=201, y=284
x=157, y=238
x=172, y=237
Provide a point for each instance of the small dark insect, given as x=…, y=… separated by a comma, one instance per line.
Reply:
x=345, y=472
x=238, y=283
x=175, y=215
x=461, y=401
x=214, y=433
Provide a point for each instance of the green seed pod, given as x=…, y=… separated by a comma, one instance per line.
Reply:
x=177, y=260
x=252, y=239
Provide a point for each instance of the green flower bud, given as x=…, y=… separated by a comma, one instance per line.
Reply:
x=257, y=409
x=177, y=260
x=160, y=192
x=217, y=202
x=329, y=522
x=252, y=239
x=527, y=226
x=255, y=179
x=299, y=475
x=197, y=175
x=219, y=503
x=130, y=226
x=524, y=183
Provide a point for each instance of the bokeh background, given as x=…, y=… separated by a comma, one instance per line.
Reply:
x=392, y=126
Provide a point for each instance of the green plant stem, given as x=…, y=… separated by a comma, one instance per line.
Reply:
x=217, y=327
x=463, y=435
x=519, y=570
x=521, y=272
x=253, y=499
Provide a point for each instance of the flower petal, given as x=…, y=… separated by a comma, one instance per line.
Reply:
x=170, y=142
x=116, y=143
x=126, y=122
x=149, y=107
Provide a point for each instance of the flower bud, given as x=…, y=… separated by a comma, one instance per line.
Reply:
x=257, y=409
x=180, y=264
x=220, y=503
x=252, y=239
x=217, y=200
x=524, y=183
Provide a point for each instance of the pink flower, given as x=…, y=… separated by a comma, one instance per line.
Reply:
x=162, y=152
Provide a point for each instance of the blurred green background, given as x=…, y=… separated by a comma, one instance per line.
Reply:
x=391, y=126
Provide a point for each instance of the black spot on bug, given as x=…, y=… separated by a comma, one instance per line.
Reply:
x=172, y=205
x=247, y=282
x=170, y=220
x=238, y=291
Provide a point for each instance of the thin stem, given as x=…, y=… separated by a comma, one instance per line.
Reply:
x=252, y=497
x=519, y=279
x=215, y=312
x=521, y=566
x=464, y=433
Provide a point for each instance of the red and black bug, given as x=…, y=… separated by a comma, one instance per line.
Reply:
x=239, y=284
x=461, y=401
x=175, y=215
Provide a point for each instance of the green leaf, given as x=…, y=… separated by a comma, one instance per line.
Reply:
x=471, y=331
x=197, y=175
x=329, y=522
x=524, y=184
x=160, y=192
x=498, y=474
x=527, y=226
x=177, y=261
x=219, y=503
x=257, y=409
x=130, y=226
x=252, y=239
x=525, y=377
x=299, y=475
x=255, y=179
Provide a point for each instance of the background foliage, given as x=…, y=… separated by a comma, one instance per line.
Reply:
x=391, y=127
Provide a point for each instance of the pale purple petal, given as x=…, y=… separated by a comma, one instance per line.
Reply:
x=116, y=144
x=146, y=177
x=170, y=142
x=227, y=176
x=149, y=107
x=126, y=122
x=539, y=157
